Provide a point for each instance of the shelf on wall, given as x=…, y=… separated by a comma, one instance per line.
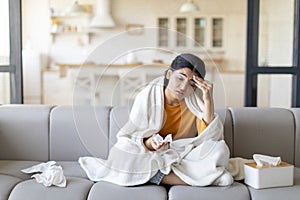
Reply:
x=71, y=24
x=63, y=15
x=85, y=34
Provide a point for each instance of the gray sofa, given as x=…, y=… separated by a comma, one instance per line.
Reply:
x=31, y=134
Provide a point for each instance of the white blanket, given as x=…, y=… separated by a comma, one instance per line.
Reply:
x=198, y=161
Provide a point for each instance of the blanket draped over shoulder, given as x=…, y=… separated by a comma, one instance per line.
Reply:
x=198, y=161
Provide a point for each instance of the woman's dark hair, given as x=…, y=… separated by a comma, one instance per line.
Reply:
x=194, y=63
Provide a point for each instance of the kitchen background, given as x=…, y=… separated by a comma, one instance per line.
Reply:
x=118, y=60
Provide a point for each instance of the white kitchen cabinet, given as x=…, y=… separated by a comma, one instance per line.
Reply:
x=191, y=32
x=163, y=24
x=116, y=85
x=87, y=88
x=217, y=32
x=199, y=31
x=56, y=90
x=181, y=29
x=98, y=85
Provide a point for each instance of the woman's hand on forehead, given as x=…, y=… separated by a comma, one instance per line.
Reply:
x=205, y=86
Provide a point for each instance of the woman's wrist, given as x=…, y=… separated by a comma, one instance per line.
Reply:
x=209, y=111
x=147, y=143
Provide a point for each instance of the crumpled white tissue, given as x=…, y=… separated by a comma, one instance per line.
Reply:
x=39, y=167
x=51, y=174
x=160, y=140
x=263, y=160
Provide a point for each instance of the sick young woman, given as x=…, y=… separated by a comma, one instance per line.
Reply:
x=179, y=104
x=184, y=76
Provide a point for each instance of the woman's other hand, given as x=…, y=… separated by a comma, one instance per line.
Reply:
x=154, y=146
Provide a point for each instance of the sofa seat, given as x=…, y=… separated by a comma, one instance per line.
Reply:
x=77, y=189
x=279, y=193
x=236, y=191
x=7, y=183
x=109, y=191
x=72, y=169
x=32, y=134
x=13, y=168
x=15, y=184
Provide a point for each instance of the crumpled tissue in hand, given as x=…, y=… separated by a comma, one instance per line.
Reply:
x=160, y=140
x=263, y=160
x=51, y=174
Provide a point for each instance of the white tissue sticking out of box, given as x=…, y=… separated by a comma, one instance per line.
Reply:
x=263, y=160
x=160, y=140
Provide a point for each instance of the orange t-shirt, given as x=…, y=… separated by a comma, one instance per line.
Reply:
x=181, y=122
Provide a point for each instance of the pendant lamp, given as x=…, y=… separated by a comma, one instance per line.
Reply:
x=188, y=7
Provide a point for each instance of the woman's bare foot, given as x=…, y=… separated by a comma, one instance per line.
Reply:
x=172, y=179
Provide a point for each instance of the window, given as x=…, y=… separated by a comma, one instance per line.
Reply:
x=10, y=52
x=273, y=55
x=274, y=90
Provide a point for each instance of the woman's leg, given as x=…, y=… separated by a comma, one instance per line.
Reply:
x=172, y=179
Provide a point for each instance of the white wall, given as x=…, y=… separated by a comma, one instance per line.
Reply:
x=67, y=49
x=35, y=27
x=274, y=49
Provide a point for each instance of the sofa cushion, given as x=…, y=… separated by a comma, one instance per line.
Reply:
x=24, y=132
x=118, y=117
x=77, y=188
x=14, y=167
x=236, y=191
x=109, y=191
x=72, y=169
x=7, y=183
x=226, y=117
x=279, y=193
x=296, y=112
x=78, y=131
x=267, y=131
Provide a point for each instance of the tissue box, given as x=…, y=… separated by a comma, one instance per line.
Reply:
x=269, y=176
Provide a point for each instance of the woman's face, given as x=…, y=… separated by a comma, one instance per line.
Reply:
x=181, y=83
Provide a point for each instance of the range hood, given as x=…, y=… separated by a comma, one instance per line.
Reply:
x=102, y=18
